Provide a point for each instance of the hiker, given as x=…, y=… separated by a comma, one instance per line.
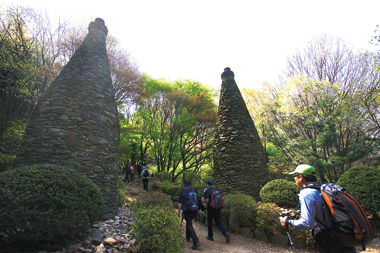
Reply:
x=145, y=176
x=312, y=212
x=127, y=171
x=133, y=170
x=213, y=213
x=139, y=169
x=188, y=214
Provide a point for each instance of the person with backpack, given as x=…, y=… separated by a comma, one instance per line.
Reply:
x=145, y=174
x=214, y=202
x=313, y=216
x=133, y=170
x=188, y=201
x=139, y=169
x=127, y=171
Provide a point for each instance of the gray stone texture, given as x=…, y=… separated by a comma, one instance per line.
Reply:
x=76, y=123
x=239, y=158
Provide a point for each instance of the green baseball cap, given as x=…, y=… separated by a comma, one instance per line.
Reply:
x=304, y=169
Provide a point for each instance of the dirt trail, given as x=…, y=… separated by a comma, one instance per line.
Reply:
x=239, y=243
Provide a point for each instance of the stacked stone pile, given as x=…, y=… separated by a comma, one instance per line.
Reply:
x=76, y=123
x=239, y=157
x=110, y=236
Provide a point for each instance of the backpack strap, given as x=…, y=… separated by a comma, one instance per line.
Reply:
x=318, y=188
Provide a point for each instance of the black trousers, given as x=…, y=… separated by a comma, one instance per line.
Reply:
x=190, y=233
x=214, y=214
x=145, y=183
x=327, y=244
x=126, y=177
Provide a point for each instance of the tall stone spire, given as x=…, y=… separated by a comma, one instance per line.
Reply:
x=76, y=123
x=239, y=158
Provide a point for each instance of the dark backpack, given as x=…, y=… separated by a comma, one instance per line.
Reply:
x=145, y=173
x=200, y=204
x=192, y=201
x=351, y=226
x=217, y=201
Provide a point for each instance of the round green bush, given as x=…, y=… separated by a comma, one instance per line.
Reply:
x=42, y=202
x=158, y=229
x=281, y=192
x=243, y=207
x=364, y=183
x=268, y=219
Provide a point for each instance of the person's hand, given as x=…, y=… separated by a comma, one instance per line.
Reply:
x=198, y=212
x=283, y=220
x=179, y=213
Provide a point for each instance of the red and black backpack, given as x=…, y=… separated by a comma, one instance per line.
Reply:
x=351, y=226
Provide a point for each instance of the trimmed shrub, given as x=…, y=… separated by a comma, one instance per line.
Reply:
x=150, y=200
x=42, y=202
x=364, y=183
x=158, y=230
x=268, y=219
x=281, y=192
x=170, y=188
x=242, y=206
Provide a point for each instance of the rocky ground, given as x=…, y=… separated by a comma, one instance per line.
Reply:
x=114, y=235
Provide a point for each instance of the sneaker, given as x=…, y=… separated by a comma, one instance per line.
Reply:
x=210, y=238
x=228, y=238
x=129, y=183
x=194, y=247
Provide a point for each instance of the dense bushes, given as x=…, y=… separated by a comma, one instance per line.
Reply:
x=268, y=219
x=42, y=202
x=281, y=192
x=155, y=224
x=364, y=183
x=170, y=188
x=242, y=206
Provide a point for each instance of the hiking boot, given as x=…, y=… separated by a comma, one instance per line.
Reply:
x=194, y=247
x=228, y=238
x=210, y=238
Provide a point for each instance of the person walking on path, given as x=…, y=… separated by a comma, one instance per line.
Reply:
x=133, y=170
x=188, y=215
x=213, y=213
x=312, y=212
x=145, y=174
x=127, y=171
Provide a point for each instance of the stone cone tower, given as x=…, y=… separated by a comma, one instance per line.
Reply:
x=239, y=158
x=76, y=123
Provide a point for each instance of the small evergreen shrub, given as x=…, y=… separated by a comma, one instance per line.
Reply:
x=150, y=200
x=268, y=219
x=364, y=183
x=281, y=192
x=42, y=202
x=242, y=206
x=170, y=188
x=163, y=175
x=158, y=229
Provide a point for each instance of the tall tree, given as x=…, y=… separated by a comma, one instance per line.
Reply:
x=179, y=121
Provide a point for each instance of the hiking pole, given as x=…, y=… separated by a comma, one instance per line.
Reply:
x=291, y=242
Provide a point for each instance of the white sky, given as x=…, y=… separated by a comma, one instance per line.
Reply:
x=198, y=39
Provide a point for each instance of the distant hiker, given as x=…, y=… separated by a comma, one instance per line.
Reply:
x=133, y=170
x=214, y=206
x=145, y=174
x=139, y=169
x=312, y=212
x=127, y=171
x=187, y=201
